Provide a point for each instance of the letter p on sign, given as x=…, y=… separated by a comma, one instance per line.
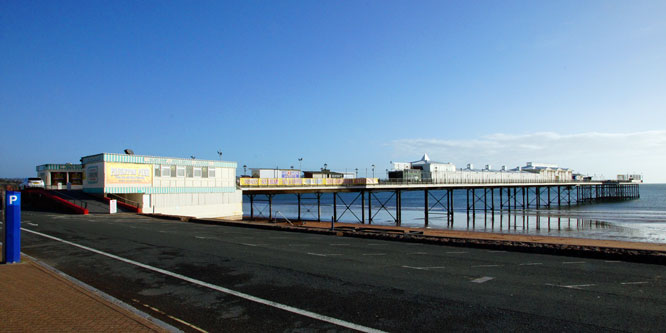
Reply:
x=13, y=199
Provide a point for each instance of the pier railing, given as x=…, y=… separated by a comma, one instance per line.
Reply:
x=388, y=182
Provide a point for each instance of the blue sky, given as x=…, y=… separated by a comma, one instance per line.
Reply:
x=347, y=83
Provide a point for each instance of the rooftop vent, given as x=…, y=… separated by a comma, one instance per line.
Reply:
x=129, y=152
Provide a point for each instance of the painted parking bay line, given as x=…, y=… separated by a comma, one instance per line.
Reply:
x=482, y=279
x=324, y=254
x=423, y=268
x=245, y=296
x=571, y=286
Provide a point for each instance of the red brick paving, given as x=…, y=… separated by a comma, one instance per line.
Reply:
x=33, y=298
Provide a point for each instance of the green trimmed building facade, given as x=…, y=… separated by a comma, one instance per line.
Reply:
x=165, y=185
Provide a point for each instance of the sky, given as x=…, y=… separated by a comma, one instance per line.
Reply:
x=580, y=84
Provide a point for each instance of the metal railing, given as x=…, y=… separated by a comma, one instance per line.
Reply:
x=73, y=200
x=431, y=182
x=122, y=199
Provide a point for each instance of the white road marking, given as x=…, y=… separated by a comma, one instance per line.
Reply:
x=299, y=244
x=572, y=262
x=373, y=254
x=170, y=316
x=424, y=268
x=338, y=244
x=418, y=253
x=33, y=224
x=531, y=264
x=482, y=279
x=638, y=282
x=572, y=286
x=248, y=297
x=201, y=237
x=324, y=254
x=476, y=266
x=455, y=252
x=254, y=245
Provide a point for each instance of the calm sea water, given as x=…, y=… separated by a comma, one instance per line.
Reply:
x=642, y=219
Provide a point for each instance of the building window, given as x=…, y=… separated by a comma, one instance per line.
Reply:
x=189, y=171
x=173, y=171
x=204, y=172
x=197, y=172
x=158, y=171
x=211, y=173
x=181, y=171
x=166, y=171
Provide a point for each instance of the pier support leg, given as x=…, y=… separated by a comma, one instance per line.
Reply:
x=501, y=200
x=318, y=207
x=298, y=195
x=362, y=207
x=251, y=206
x=427, y=207
x=335, y=206
x=451, y=205
x=467, y=190
x=270, y=207
x=485, y=200
x=369, y=207
x=397, y=207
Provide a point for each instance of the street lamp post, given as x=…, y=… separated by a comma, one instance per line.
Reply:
x=244, y=170
x=300, y=166
x=373, y=171
x=356, y=172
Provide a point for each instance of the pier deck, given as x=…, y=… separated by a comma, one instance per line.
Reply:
x=480, y=196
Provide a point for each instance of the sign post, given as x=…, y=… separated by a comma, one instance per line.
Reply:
x=113, y=206
x=11, y=249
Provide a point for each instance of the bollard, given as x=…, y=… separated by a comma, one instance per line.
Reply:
x=332, y=223
x=11, y=249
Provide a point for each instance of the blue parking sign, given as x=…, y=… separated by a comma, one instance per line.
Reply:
x=11, y=249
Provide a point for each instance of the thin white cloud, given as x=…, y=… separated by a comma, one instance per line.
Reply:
x=591, y=153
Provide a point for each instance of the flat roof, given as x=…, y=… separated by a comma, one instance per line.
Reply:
x=146, y=159
x=60, y=167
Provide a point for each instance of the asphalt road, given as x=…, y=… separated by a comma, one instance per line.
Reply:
x=296, y=277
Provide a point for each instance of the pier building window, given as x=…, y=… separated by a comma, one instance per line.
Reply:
x=197, y=172
x=189, y=171
x=211, y=173
x=158, y=171
x=166, y=171
x=181, y=171
x=173, y=171
x=204, y=172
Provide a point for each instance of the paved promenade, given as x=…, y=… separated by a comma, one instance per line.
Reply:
x=37, y=299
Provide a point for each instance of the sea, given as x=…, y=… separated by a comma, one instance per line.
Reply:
x=639, y=220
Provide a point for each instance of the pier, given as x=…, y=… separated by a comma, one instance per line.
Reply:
x=482, y=197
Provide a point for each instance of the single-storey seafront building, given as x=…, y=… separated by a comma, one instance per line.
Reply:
x=166, y=185
x=61, y=176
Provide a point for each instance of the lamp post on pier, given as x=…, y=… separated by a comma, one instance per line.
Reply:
x=373, y=171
